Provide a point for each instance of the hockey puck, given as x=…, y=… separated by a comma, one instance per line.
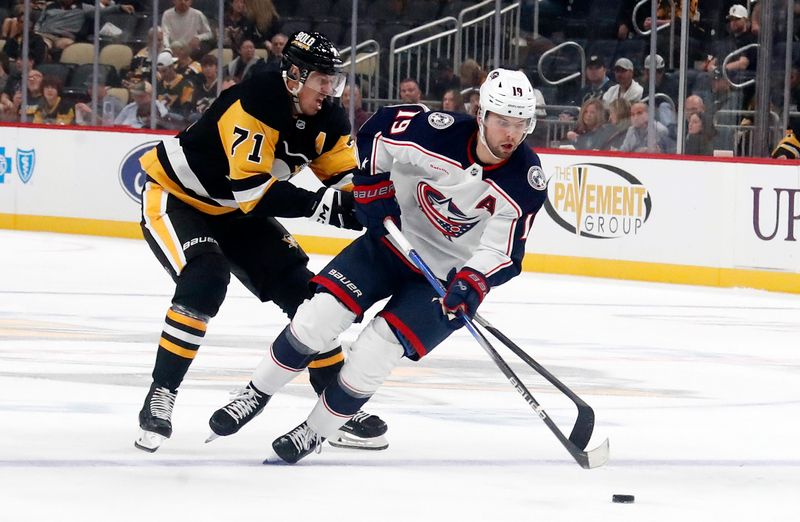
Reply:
x=622, y=499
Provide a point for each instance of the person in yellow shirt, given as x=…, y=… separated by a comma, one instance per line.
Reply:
x=52, y=108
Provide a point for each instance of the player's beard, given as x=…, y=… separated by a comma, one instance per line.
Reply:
x=503, y=152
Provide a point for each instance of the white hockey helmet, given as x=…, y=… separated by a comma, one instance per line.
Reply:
x=508, y=93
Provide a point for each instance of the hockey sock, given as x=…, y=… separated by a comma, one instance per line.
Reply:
x=286, y=358
x=181, y=337
x=323, y=370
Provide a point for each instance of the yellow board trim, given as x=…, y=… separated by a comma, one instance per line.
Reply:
x=549, y=264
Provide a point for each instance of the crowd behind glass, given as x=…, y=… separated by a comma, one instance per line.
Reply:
x=603, y=111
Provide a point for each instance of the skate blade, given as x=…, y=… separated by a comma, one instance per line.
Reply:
x=274, y=460
x=347, y=440
x=149, y=441
x=211, y=436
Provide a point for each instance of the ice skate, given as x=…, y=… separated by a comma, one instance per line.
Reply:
x=297, y=444
x=155, y=418
x=363, y=431
x=247, y=403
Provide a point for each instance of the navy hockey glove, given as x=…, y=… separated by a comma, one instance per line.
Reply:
x=465, y=292
x=334, y=207
x=375, y=201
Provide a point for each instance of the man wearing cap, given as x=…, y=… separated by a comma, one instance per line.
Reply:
x=137, y=113
x=739, y=35
x=173, y=89
x=626, y=86
x=597, y=82
x=665, y=111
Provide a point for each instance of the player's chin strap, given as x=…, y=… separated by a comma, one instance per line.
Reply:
x=294, y=92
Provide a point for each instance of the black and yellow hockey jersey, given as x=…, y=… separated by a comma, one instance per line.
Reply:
x=239, y=154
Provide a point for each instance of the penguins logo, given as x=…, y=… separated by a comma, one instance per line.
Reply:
x=443, y=213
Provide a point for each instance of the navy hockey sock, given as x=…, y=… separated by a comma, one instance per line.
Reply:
x=324, y=368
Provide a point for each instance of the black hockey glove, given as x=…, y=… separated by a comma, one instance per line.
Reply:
x=465, y=292
x=375, y=201
x=334, y=207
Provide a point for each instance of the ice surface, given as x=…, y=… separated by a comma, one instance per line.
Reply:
x=697, y=389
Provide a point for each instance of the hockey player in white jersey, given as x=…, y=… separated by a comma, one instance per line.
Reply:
x=465, y=192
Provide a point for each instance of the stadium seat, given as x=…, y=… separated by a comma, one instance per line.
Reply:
x=313, y=8
x=125, y=22
x=78, y=53
x=118, y=55
x=81, y=77
x=120, y=93
x=59, y=70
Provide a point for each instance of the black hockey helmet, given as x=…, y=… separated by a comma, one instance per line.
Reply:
x=311, y=51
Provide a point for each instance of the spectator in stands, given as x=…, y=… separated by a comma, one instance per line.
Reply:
x=724, y=106
x=597, y=82
x=108, y=106
x=453, y=101
x=11, y=99
x=205, y=91
x=240, y=67
x=472, y=100
x=233, y=23
x=137, y=113
x=700, y=135
x=619, y=120
x=52, y=108
x=360, y=114
x=187, y=24
x=471, y=74
x=263, y=22
x=141, y=62
x=738, y=36
x=636, y=138
x=589, y=133
x=63, y=22
x=273, y=60
x=37, y=48
x=693, y=105
x=409, y=91
x=444, y=79
x=626, y=86
x=175, y=91
x=5, y=67
x=185, y=65
x=666, y=112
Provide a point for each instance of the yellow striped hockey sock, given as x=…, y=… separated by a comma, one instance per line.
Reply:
x=180, y=339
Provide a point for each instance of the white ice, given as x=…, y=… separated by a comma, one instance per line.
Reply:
x=696, y=388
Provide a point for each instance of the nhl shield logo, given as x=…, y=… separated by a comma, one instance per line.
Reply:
x=536, y=178
x=26, y=161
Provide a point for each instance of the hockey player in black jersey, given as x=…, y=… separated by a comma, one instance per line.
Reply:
x=465, y=191
x=209, y=206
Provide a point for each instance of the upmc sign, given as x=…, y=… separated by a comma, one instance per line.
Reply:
x=775, y=210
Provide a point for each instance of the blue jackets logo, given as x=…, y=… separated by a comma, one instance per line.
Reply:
x=26, y=161
x=131, y=175
x=5, y=164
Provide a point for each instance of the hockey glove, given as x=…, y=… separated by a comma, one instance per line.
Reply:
x=375, y=201
x=334, y=207
x=465, y=292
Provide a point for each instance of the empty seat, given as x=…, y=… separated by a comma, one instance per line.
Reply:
x=78, y=53
x=124, y=22
x=59, y=70
x=118, y=55
x=81, y=78
x=120, y=93
x=330, y=28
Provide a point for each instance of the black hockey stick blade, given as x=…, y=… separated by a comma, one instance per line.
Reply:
x=584, y=423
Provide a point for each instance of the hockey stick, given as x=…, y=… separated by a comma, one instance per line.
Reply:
x=584, y=424
x=586, y=459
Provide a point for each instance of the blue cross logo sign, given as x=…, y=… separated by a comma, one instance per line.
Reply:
x=5, y=164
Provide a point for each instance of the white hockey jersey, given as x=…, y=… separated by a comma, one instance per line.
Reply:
x=456, y=212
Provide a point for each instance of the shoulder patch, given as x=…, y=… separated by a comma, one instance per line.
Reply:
x=536, y=178
x=440, y=120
